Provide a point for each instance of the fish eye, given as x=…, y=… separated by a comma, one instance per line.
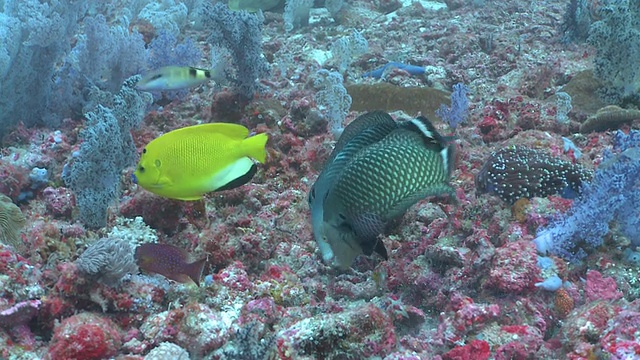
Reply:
x=141, y=168
x=144, y=151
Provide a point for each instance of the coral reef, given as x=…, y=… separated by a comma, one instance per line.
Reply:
x=464, y=278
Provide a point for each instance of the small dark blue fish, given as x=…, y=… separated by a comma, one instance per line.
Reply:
x=411, y=69
x=170, y=262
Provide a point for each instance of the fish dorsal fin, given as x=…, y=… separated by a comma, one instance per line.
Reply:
x=359, y=125
x=366, y=130
x=233, y=131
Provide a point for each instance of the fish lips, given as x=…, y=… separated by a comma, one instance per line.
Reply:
x=134, y=178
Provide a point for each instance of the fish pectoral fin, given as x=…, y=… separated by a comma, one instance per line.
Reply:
x=317, y=223
x=368, y=226
x=163, y=182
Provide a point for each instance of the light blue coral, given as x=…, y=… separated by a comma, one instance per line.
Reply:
x=612, y=194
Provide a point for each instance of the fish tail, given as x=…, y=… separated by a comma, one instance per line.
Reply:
x=194, y=270
x=255, y=147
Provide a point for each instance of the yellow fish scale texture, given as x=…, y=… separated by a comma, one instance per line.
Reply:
x=201, y=154
x=381, y=178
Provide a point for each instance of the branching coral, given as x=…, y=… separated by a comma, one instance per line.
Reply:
x=109, y=260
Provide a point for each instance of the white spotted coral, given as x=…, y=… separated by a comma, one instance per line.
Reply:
x=517, y=172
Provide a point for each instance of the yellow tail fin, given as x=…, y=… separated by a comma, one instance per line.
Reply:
x=255, y=147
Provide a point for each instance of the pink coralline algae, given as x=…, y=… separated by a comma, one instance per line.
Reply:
x=585, y=326
x=196, y=328
x=524, y=342
x=495, y=119
x=202, y=329
x=599, y=288
x=468, y=317
x=85, y=336
x=235, y=277
x=13, y=178
x=263, y=310
x=59, y=202
x=158, y=212
x=15, y=319
x=360, y=333
x=514, y=268
x=475, y=350
x=622, y=337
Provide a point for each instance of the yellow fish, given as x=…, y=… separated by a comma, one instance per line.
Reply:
x=173, y=78
x=189, y=162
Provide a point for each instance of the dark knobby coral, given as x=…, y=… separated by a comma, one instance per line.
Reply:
x=517, y=172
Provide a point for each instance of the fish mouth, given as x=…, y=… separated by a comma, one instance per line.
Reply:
x=134, y=178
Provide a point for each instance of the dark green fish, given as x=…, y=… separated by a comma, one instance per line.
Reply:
x=365, y=130
x=379, y=183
